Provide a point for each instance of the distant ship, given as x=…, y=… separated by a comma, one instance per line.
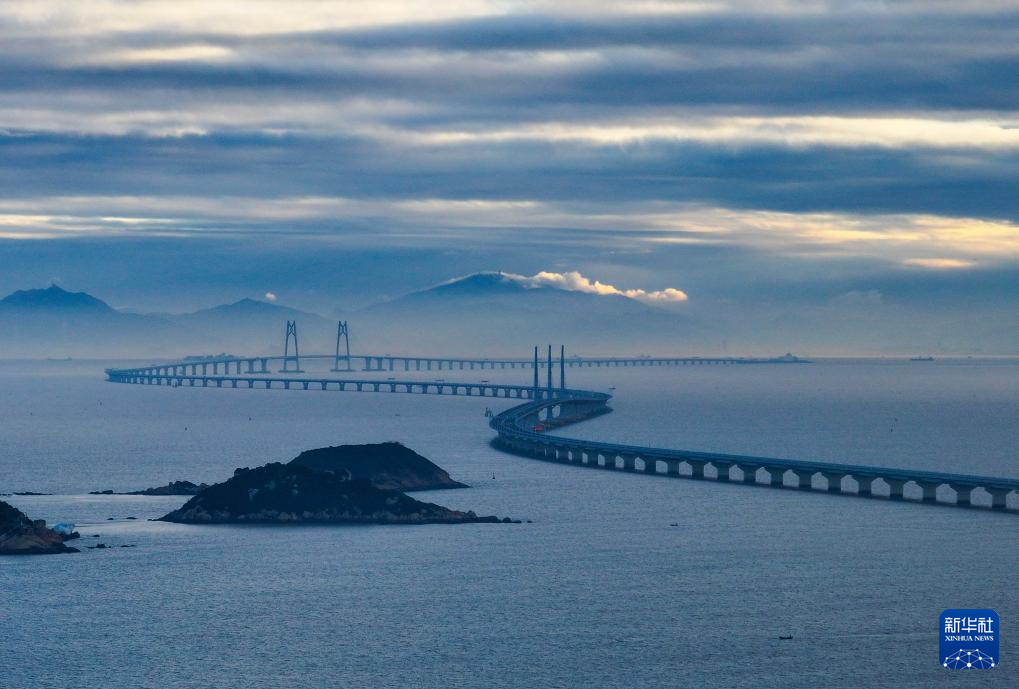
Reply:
x=787, y=358
x=922, y=358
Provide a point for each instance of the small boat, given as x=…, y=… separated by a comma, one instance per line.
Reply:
x=922, y=358
x=785, y=638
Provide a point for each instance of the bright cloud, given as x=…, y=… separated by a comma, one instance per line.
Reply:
x=911, y=240
x=573, y=281
x=885, y=132
x=270, y=296
x=939, y=263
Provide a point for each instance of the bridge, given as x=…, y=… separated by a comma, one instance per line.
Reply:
x=523, y=428
x=387, y=362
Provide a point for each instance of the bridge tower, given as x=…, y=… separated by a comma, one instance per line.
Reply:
x=536, y=372
x=562, y=367
x=550, y=370
x=289, y=358
x=342, y=332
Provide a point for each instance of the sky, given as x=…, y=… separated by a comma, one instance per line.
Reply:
x=792, y=165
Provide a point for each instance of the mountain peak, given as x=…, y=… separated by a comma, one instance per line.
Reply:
x=573, y=282
x=247, y=305
x=54, y=297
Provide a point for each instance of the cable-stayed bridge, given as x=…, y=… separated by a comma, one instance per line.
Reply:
x=544, y=406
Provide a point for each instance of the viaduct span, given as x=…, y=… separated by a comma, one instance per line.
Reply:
x=523, y=428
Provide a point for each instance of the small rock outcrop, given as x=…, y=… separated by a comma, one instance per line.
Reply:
x=171, y=488
x=174, y=488
x=292, y=493
x=390, y=466
x=20, y=535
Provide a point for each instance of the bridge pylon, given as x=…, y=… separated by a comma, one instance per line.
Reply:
x=550, y=370
x=289, y=358
x=536, y=385
x=562, y=367
x=342, y=332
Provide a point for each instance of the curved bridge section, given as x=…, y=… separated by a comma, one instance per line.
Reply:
x=522, y=430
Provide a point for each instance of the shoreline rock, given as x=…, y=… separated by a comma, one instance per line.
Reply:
x=171, y=488
x=389, y=466
x=295, y=494
x=20, y=535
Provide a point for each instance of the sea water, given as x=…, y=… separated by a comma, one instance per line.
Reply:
x=618, y=580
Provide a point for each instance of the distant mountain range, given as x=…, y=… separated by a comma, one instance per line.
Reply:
x=53, y=322
x=484, y=314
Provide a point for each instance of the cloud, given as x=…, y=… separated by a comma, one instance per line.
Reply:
x=575, y=282
x=939, y=263
x=270, y=296
x=625, y=138
x=916, y=240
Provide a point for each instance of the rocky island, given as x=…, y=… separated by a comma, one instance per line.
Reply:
x=390, y=466
x=292, y=493
x=20, y=535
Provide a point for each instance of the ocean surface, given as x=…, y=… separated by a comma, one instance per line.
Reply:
x=618, y=580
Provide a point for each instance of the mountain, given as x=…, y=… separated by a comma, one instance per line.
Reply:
x=496, y=314
x=54, y=322
x=252, y=326
x=54, y=299
x=484, y=314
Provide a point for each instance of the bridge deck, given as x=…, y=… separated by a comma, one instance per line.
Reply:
x=515, y=428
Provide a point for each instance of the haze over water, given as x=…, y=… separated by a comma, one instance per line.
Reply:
x=598, y=591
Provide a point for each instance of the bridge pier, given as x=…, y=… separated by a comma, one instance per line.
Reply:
x=834, y=480
x=722, y=469
x=999, y=498
x=672, y=467
x=629, y=462
x=962, y=494
x=776, y=476
x=930, y=491
x=804, y=478
x=650, y=466
x=864, y=485
x=696, y=468
x=895, y=488
x=749, y=472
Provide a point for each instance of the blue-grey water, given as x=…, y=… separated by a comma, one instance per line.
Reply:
x=600, y=590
